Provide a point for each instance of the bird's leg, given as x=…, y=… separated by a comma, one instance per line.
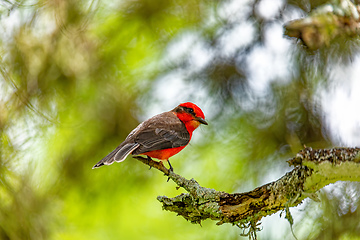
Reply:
x=156, y=164
x=171, y=168
x=149, y=158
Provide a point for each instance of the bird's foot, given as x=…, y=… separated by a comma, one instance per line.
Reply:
x=156, y=164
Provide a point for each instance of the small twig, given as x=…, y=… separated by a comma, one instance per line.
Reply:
x=191, y=186
x=158, y=165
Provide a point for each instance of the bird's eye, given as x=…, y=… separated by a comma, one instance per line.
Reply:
x=190, y=110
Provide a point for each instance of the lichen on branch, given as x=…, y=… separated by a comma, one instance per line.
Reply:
x=313, y=169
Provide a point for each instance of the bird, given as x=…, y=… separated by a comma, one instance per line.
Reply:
x=161, y=136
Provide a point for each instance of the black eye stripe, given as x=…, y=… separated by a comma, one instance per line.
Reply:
x=189, y=110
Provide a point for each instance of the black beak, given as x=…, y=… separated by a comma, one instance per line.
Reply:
x=201, y=120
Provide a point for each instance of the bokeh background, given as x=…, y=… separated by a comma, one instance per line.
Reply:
x=76, y=76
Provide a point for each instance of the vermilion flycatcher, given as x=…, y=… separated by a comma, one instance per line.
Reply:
x=161, y=136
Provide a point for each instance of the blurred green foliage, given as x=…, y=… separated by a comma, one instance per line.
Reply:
x=78, y=76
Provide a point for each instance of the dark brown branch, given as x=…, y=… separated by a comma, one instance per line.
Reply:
x=313, y=170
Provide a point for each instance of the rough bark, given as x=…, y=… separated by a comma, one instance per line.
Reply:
x=313, y=169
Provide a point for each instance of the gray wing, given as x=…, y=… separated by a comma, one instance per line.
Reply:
x=161, y=132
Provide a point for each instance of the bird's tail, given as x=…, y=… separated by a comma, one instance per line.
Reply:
x=118, y=155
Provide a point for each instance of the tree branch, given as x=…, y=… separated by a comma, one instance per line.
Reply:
x=327, y=22
x=313, y=170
